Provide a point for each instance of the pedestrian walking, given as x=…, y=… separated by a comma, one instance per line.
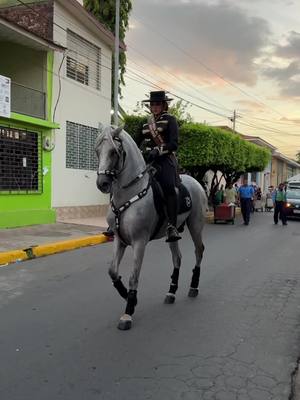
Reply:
x=246, y=194
x=279, y=200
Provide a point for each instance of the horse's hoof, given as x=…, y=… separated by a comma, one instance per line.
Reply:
x=193, y=292
x=125, y=322
x=170, y=298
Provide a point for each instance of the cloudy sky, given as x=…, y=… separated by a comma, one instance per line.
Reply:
x=221, y=55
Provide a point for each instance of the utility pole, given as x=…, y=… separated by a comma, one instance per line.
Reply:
x=117, y=47
x=233, y=120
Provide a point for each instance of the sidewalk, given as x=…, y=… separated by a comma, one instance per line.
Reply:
x=18, y=244
x=21, y=238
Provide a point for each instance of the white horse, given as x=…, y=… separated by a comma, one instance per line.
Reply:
x=133, y=217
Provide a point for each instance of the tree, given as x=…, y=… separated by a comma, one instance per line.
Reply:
x=203, y=148
x=105, y=12
x=179, y=110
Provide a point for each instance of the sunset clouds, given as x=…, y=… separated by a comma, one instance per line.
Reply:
x=223, y=35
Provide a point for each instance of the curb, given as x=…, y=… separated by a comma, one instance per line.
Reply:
x=30, y=253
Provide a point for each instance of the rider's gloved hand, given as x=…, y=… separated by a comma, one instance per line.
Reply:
x=154, y=153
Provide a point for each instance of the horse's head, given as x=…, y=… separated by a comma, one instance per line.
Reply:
x=110, y=155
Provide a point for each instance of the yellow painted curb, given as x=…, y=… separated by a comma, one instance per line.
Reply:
x=50, y=248
x=12, y=256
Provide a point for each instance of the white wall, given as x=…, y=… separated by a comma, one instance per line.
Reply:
x=80, y=104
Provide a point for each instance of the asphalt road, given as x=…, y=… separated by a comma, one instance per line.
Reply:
x=239, y=340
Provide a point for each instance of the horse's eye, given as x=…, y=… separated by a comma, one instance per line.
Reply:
x=112, y=153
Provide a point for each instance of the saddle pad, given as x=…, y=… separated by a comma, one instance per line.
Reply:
x=184, y=199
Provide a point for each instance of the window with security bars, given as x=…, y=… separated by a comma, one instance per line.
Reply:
x=80, y=143
x=83, y=61
x=20, y=161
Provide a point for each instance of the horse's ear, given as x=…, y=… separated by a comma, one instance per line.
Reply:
x=117, y=131
x=100, y=127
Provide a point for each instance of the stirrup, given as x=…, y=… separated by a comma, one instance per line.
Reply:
x=108, y=233
x=172, y=234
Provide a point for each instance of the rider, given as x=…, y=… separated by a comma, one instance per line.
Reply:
x=158, y=142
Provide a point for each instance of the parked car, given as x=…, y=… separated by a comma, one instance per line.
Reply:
x=292, y=206
x=294, y=185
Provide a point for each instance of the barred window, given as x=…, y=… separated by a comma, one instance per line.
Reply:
x=77, y=71
x=83, y=61
x=80, y=153
x=20, y=161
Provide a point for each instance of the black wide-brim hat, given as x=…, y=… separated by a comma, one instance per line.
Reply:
x=157, y=96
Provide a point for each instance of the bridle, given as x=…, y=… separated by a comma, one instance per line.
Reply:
x=113, y=173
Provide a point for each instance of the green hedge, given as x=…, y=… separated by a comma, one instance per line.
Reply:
x=208, y=147
x=202, y=145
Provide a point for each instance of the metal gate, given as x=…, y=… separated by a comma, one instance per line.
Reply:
x=20, y=161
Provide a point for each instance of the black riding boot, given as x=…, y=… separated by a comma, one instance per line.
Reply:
x=109, y=233
x=172, y=208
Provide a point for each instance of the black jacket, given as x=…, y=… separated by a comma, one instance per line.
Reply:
x=167, y=129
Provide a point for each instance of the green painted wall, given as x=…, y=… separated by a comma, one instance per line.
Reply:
x=30, y=209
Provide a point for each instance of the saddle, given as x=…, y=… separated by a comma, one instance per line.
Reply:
x=184, y=202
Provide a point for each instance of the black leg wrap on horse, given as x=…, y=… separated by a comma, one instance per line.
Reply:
x=174, y=284
x=118, y=284
x=131, y=302
x=195, y=278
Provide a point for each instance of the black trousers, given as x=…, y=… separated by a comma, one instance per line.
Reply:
x=246, y=205
x=167, y=177
x=279, y=210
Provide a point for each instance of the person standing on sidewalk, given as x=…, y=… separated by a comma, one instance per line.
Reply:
x=246, y=194
x=279, y=199
x=230, y=194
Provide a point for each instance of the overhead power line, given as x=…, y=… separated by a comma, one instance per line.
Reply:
x=215, y=104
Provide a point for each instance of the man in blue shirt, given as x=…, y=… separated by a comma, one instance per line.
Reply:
x=246, y=194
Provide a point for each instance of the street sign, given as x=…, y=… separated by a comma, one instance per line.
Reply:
x=5, y=96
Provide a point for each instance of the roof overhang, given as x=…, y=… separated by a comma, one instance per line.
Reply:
x=10, y=32
x=88, y=20
x=286, y=159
